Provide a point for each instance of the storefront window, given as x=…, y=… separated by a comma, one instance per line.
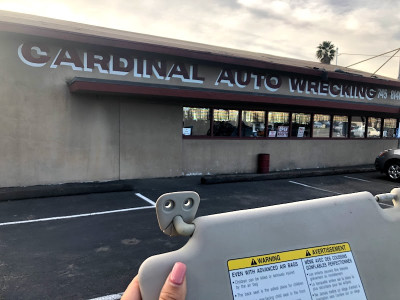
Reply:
x=253, y=123
x=301, y=125
x=340, y=126
x=357, y=127
x=389, y=128
x=278, y=124
x=374, y=128
x=226, y=122
x=321, y=125
x=196, y=121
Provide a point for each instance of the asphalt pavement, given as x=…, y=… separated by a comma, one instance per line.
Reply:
x=91, y=245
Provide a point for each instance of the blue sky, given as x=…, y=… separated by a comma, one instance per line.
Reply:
x=289, y=28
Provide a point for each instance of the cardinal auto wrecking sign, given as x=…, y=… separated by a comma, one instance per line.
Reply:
x=133, y=67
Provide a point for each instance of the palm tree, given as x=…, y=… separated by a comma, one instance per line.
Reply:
x=326, y=52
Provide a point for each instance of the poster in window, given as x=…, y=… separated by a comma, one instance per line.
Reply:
x=283, y=131
x=272, y=133
x=187, y=131
x=300, y=132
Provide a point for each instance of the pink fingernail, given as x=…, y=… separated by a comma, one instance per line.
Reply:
x=178, y=273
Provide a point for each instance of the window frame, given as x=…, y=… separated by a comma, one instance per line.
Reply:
x=241, y=123
x=395, y=128
x=349, y=116
x=312, y=126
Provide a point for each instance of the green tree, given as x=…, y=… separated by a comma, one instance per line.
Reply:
x=326, y=52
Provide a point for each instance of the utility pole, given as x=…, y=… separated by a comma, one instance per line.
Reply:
x=398, y=77
x=337, y=54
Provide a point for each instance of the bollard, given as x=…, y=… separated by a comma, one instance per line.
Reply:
x=263, y=164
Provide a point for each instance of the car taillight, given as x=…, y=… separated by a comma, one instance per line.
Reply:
x=383, y=153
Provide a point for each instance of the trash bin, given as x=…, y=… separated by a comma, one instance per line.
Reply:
x=263, y=163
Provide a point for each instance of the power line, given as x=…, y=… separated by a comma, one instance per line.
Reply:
x=386, y=62
x=379, y=55
x=359, y=54
x=375, y=56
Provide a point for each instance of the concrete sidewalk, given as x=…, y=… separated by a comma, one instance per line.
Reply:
x=69, y=189
x=65, y=189
x=213, y=179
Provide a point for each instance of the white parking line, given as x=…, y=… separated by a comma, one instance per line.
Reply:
x=109, y=297
x=312, y=187
x=315, y=188
x=76, y=216
x=356, y=178
x=146, y=199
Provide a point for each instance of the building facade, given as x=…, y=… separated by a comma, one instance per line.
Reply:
x=82, y=103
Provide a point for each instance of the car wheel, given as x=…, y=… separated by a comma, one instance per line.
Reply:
x=393, y=171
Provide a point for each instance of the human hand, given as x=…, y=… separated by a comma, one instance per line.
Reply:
x=174, y=287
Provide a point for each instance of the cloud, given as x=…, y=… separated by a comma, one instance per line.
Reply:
x=291, y=28
x=356, y=27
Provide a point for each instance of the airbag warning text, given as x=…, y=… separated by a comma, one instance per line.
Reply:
x=319, y=273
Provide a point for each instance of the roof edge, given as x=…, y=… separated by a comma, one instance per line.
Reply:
x=89, y=34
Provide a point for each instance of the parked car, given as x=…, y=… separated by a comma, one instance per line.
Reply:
x=338, y=126
x=327, y=124
x=318, y=125
x=358, y=132
x=372, y=132
x=388, y=162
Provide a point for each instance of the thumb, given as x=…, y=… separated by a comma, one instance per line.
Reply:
x=175, y=285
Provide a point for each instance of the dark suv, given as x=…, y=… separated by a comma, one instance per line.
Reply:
x=388, y=162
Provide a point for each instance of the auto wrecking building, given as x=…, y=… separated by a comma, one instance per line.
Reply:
x=82, y=103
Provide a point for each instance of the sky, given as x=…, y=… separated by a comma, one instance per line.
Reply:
x=288, y=28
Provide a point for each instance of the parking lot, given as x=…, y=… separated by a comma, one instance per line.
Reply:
x=90, y=246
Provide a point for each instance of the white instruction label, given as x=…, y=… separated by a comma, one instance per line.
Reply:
x=318, y=273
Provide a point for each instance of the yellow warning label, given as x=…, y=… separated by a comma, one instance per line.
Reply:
x=248, y=262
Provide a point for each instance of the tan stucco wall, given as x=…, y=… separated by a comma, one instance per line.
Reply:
x=151, y=140
x=240, y=156
x=49, y=136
